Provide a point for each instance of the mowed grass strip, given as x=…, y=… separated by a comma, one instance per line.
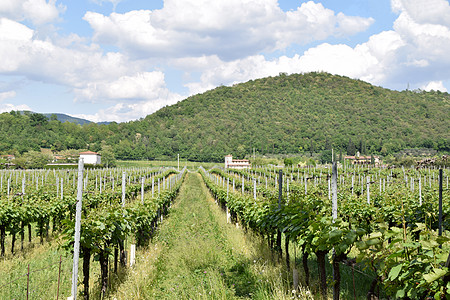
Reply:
x=197, y=255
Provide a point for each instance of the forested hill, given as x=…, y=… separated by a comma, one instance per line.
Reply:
x=282, y=114
x=288, y=114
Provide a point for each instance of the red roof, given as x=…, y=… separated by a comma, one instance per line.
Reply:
x=88, y=153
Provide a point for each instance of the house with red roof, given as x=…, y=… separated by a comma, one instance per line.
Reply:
x=91, y=158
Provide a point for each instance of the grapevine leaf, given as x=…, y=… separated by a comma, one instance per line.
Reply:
x=442, y=239
x=395, y=271
x=400, y=293
x=434, y=275
x=375, y=235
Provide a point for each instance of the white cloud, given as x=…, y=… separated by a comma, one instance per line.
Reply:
x=6, y=95
x=424, y=11
x=434, y=85
x=90, y=74
x=122, y=112
x=42, y=60
x=7, y=107
x=415, y=51
x=230, y=29
x=144, y=94
x=37, y=11
x=145, y=85
x=369, y=61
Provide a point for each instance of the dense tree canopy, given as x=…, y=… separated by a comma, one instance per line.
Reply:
x=284, y=114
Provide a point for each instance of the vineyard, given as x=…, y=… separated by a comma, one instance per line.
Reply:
x=386, y=221
x=120, y=207
x=326, y=227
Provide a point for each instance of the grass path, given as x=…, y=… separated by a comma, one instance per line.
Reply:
x=196, y=255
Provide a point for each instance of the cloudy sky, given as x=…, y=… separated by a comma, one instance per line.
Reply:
x=120, y=60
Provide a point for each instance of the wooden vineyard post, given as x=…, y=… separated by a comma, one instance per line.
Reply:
x=28, y=281
x=59, y=277
x=76, y=247
x=368, y=190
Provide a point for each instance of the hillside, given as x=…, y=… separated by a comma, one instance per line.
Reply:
x=66, y=118
x=282, y=114
x=285, y=114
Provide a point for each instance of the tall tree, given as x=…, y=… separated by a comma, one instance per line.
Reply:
x=351, y=149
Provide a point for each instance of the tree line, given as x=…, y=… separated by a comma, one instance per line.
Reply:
x=300, y=113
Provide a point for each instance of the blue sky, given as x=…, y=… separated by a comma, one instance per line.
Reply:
x=120, y=60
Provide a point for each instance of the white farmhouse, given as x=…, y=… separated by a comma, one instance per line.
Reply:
x=231, y=163
x=91, y=158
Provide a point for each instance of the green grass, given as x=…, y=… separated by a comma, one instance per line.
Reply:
x=43, y=261
x=196, y=255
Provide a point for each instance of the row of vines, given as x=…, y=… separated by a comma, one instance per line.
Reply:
x=112, y=211
x=387, y=222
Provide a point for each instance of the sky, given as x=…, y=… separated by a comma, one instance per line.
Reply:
x=120, y=60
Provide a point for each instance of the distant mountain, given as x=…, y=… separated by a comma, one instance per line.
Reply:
x=66, y=118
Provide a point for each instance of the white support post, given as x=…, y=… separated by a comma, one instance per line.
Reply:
x=76, y=247
x=334, y=190
x=329, y=189
x=368, y=189
x=142, y=190
x=306, y=185
x=132, y=255
x=124, y=178
x=420, y=191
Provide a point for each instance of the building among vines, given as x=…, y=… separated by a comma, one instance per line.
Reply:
x=231, y=163
x=91, y=158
